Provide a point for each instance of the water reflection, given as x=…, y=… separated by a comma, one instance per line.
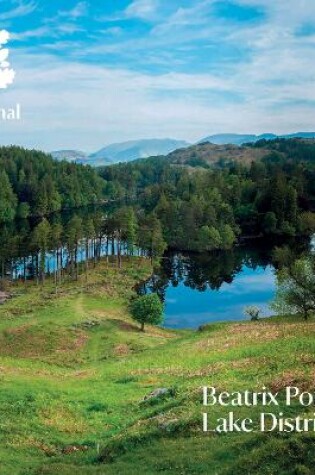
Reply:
x=201, y=288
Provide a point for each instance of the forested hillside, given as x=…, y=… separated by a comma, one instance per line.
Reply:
x=202, y=207
x=193, y=199
x=33, y=184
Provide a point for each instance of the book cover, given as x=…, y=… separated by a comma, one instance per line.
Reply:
x=157, y=237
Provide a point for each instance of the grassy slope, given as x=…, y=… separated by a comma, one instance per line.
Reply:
x=74, y=368
x=211, y=153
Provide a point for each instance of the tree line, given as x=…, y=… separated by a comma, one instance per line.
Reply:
x=34, y=184
x=65, y=245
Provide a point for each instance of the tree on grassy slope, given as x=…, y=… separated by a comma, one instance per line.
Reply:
x=147, y=309
x=296, y=288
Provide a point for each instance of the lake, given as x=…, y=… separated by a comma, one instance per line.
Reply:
x=196, y=288
x=214, y=287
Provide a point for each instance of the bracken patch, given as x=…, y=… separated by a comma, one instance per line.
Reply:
x=293, y=378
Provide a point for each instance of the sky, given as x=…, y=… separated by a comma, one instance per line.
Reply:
x=90, y=73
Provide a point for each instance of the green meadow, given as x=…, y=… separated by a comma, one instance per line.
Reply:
x=75, y=369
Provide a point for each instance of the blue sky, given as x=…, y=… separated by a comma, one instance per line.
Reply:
x=89, y=73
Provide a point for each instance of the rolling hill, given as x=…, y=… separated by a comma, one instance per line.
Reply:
x=209, y=154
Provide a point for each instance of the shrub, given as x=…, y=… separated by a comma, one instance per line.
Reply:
x=252, y=312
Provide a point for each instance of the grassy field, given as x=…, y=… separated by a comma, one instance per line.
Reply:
x=74, y=371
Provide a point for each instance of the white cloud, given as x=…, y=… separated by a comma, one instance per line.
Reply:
x=66, y=105
x=6, y=77
x=4, y=37
x=144, y=9
x=22, y=10
x=80, y=9
x=7, y=74
x=285, y=12
x=186, y=17
x=36, y=33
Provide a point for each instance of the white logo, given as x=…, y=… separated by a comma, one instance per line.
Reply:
x=7, y=74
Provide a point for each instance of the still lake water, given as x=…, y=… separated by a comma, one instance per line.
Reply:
x=196, y=288
x=205, y=288
x=188, y=308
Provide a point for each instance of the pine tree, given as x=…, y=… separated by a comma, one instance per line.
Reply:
x=41, y=239
x=8, y=200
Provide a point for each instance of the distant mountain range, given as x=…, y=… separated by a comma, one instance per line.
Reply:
x=127, y=151
x=240, y=139
x=122, y=152
x=134, y=149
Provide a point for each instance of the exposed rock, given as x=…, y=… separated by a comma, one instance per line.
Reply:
x=158, y=393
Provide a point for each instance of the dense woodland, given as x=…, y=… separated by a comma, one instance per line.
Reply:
x=205, y=208
x=33, y=184
x=158, y=204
